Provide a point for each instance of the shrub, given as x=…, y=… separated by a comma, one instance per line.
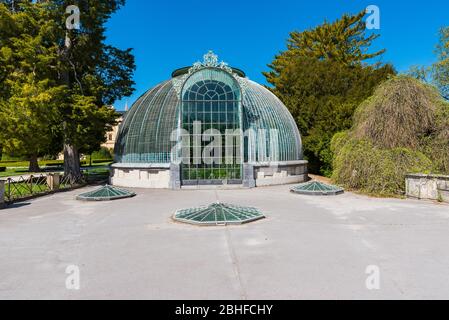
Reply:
x=2, y=169
x=9, y=158
x=399, y=114
x=102, y=154
x=48, y=158
x=437, y=146
x=403, y=128
x=359, y=165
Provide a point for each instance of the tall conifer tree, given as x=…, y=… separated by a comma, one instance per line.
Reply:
x=322, y=77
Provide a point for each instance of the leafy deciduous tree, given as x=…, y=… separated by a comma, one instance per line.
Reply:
x=441, y=68
x=96, y=75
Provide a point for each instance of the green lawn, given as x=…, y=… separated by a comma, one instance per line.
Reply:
x=19, y=168
x=55, y=163
x=13, y=172
x=25, y=164
x=19, y=190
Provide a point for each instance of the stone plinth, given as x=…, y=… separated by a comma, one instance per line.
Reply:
x=429, y=187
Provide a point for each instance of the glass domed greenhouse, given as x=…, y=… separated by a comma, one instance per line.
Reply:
x=208, y=125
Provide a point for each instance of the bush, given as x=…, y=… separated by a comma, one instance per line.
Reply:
x=399, y=114
x=2, y=169
x=9, y=158
x=403, y=128
x=102, y=154
x=438, y=145
x=359, y=165
x=48, y=158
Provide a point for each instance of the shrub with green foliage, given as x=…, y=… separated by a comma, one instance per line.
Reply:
x=10, y=158
x=437, y=145
x=400, y=113
x=359, y=165
x=441, y=67
x=403, y=128
x=102, y=154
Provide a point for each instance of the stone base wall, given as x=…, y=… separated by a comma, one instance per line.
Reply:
x=429, y=187
x=148, y=178
x=284, y=173
x=165, y=176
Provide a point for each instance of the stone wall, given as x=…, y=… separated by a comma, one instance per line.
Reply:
x=166, y=176
x=282, y=173
x=150, y=177
x=430, y=187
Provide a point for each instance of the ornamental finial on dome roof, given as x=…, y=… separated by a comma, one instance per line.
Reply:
x=210, y=60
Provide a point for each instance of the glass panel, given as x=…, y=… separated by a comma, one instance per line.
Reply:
x=216, y=105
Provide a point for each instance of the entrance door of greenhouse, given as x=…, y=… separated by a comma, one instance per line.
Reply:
x=211, y=115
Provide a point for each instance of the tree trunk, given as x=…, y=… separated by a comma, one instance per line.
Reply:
x=34, y=164
x=72, y=166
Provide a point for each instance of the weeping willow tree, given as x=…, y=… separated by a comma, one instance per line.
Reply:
x=403, y=128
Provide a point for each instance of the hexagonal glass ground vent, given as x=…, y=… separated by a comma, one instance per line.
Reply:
x=315, y=188
x=106, y=193
x=218, y=214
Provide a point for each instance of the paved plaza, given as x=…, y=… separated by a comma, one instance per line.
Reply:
x=306, y=248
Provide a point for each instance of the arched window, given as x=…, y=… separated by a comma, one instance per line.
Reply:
x=211, y=114
x=210, y=90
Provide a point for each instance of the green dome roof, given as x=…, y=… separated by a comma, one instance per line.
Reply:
x=144, y=135
x=106, y=193
x=315, y=188
x=218, y=214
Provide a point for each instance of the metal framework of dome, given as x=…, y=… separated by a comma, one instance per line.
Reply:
x=106, y=193
x=145, y=134
x=316, y=188
x=218, y=214
x=207, y=125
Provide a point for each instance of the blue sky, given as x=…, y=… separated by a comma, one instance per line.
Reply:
x=167, y=35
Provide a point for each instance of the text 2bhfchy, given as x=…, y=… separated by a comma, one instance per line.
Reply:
x=224, y=310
